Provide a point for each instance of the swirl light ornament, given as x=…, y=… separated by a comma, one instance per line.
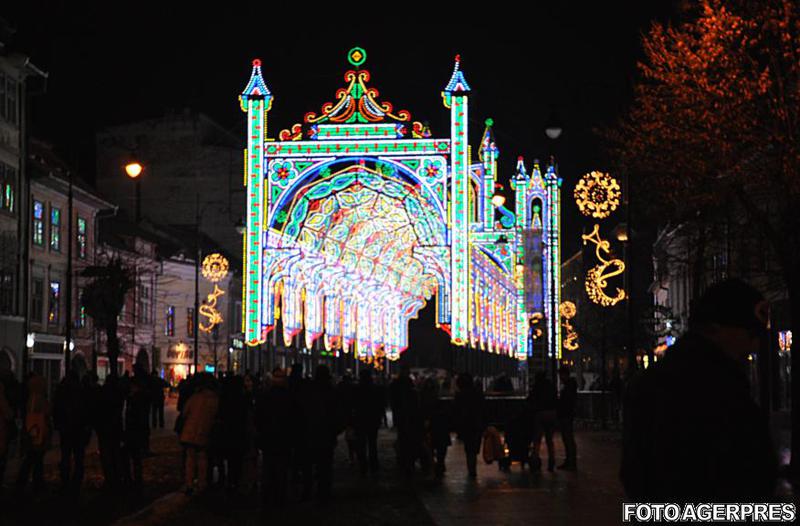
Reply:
x=597, y=194
x=598, y=276
x=568, y=310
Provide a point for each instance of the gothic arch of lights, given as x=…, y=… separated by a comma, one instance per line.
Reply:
x=359, y=216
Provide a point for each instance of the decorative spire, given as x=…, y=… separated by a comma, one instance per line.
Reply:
x=457, y=81
x=522, y=173
x=256, y=87
x=487, y=142
x=357, y=103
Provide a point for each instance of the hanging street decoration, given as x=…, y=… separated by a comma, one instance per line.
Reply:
x=597, y=194
x=568, y=311
x=214, y=269
x=598, y=276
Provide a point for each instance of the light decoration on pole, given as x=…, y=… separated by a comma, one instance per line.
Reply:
x=358, y=216
x=214, y=269
x=568, y=310
x=597, y=194
x=598, y=276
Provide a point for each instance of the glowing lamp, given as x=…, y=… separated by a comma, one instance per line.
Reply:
x=133, y=170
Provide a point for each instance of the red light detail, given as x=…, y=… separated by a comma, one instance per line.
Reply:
x=257, y=63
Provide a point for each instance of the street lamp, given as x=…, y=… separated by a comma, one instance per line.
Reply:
x=552, y=126
x=134, y=170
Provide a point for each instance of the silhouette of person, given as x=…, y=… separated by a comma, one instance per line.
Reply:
x=72, y=420
x=692, y=432
x=369, y=409
x=565, y=410
x=469, y=419
x=542, y=402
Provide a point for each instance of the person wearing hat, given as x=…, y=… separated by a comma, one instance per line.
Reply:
x=692, y=432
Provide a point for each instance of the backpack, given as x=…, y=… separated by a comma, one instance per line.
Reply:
x=36, y=428
x=492, y=445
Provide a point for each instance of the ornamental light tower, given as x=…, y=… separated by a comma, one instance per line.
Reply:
x=456, y=98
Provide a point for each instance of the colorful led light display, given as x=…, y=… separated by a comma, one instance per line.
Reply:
x=358, y=216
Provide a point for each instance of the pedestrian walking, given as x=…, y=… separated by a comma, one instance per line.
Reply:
x=565, y=410
x=470, y=422
x=542, y=402
x=276, y=421
x=369, y=410
x=8, y=428
x=692, y=432
x=157, y=386
x=323, y=421
x=137, y=426
x=199, y=415
x=72, y=421
x=36, y=434
x=437, y=424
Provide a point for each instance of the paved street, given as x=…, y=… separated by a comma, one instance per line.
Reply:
x=590, y=496
x=518, y=497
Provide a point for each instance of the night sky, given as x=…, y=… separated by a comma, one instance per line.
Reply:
x=110, y=65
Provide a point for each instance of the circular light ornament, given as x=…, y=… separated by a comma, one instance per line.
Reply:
x=215, y=267
x=357, y=56
x=597, y=194
x=567, y=310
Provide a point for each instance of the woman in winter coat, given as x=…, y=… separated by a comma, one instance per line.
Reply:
x=199, y=414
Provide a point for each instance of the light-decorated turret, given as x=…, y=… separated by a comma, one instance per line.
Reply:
x=256, y=101
x=488, y=154
x=456, y=98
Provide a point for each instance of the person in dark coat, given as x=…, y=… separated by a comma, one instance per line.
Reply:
x=407, y=419
x=110, y=402
x=437, y=424
x=565, y=410
x=36, y=433
x=276, y=417
x=470, y=422
x=692, y=432
x=233, y=427
x=347, y=397
x=71, y=420
x=137, y=426
x=322, y=423
x=369, y=410
x=157, y=386
x=542, y=402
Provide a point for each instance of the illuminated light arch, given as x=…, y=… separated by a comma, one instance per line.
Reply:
x=358, y=216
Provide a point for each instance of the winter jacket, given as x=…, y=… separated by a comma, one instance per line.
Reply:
x=199, y=414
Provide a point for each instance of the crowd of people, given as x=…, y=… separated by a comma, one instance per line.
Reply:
x=286, y=425
x=118, y=412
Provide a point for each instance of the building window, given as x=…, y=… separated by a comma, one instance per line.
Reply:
x=169, y=325
x=81, y=238
x=80, y=321
x=38, y=223
x=54, y=302
x=6, y=291
x=8, y=188
x=55, y=228
x=144, y=303
x=37, y=299
x=8, y=98
x=190, y=322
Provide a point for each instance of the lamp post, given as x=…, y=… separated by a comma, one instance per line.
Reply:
x=553, y=130
x=134, y=169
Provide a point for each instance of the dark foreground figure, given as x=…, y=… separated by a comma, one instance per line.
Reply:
x=692, y=430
